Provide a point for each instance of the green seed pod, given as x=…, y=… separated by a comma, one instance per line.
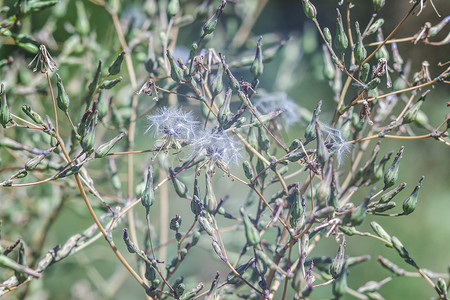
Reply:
x=218, y=250
x=391, y=266
x=175, y=71
x=380, y=231
x=5, y=115
x=210, y=201
x=360, y=50
x=68, y=172
x=179, y=287
x=130, y=245
x=217, y=83
x=323, y=191
x=232, y=278
x=32, y=114
x=34, y=162
x=399, y=247
x=148, y=195
x=383, y=52
x=410, y=203
x=369, y=287
x=391, y=176
x=295, y=145
x=224, y=114
x=352, y=261
x=116, y=65
x=103, y=149
x=329, y=69
x=247, y=170
x=378, y=4
x=309, y=9
x=180, y=188
x=374, y=27
x=210, y=25
x=412, y=112
x=175, y=223
x=206, y=225
x=192, y=293
x=297, y=209
x=322, y=154
x=379, y=172
x=442, y=287
x=381, y=207
x=374, y=83
x=251, y=233
x=310, y=131
x=150, y=272
x=365, y=69
x=263, y=139
x=338, y=262
x=341, y=40
x=340, y=284
x=195, y=238
x=82, y=22
x=234, y=83
x=63, y=99
x=327, y=35
x=173, y=8
x=348, y=230
x=390, y=195
x=109, y=84
x=359, y=214
x=87, y=141
x=257, y=66
x=21, y=260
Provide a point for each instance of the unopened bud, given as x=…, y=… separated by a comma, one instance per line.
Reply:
x=175, y=71
x=210, y=25
x=412, y=112
x=322, y=153
x=130, y=245
x=365, y=69
x=257, y=66
x=380, y=231
x=391, y=194
x=180, y=188
x=309, y=9
x=391, y=176
x=109, y=84
x=87, y=142
x=341, y=40
x=374, y=83
x=310, y=131
x=360, y=51
x=63, y=99
x=116, y=65
x=5, y=115
x=32, y=114
x=251, y=233
x=399, y=247
x=323, y=191
x=374, y=27
x=173, y=7
x=103, y=149
x=378, y=4
x=247, y=169
x=338, y=262
x=148, y=195
x=327, y=35
x=217, y=83
x=359, y=214
x=410, y=204
x=210, y=201
x=381, y=207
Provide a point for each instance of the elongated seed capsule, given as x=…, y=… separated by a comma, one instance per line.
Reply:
x=251, y=233
x=338, y=262
x=374, y=27
x=32, y=114
x=399, y=247
x=116, y=65
x=62, y=99
x=360, y=50
x=309, y=9
x=210, y=25
x=175, y=71
x=380, y=231
x=391, y=194
x=341, y=40
x=103, y=149
x=5, y=115
x=391, y=176
x=257, y=66
x=109, y=84
x=410, y=203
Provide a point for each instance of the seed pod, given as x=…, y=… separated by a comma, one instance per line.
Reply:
x=329, y=68
x=358, y=215
x=322, y=153
x=251, y=233
x=234, y=83
x=104, y=149
x=383, y=51
x=192, y=293
x=130, y=245
x=217, y=83
x=21, y=260
x=338, y=262
x=87, y=142
x=323, y=191
x=412, y=112
x=180, y=188
x=374, y=83
x=175, y=71
x=410, y=203
x=63, y=99
x=173, y=8
x=369, y=287
x=5, y=115
x=196, y=205
x=379, y=172
x=148, y=195
x=341, y=40
x=442, y=288
x=378, y=4
x=365, y=69
x=399, y=247
x=34, y=162
x=210, y=25
x=247, y=169
x=327, y=35
x=175, y=223
x=297, y=209
x=310, y=131
x=150, y=272
x=380, y=231
x=257, y=66
x=116, y=65
x=374, y=27
x=68, y=172
x=263, y=139
x=218, y=250
x=390, y=195
x=360, y=51
x=210, y=201
x=179, y=287
x=32, y=114
x=206, y=225
x=391, y=176
x=224, y=114
x=381, y=207
x=340, y=283
x=109, y=84
x=195, y=238
x=309, y=9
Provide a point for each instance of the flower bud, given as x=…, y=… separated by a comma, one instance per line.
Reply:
x=175, y=71
x=206, y=225
x=210, y=201
x=381, y=207
x=310, y=131
x=173, y=7
x=297, y=208
x=150, y=272
x=148, y=195
x=391, y=176
x=338, y=262
x=360, y=51
x=341, y=40
x=32, y=114
x=348, y=230
x=180, y=188
x=399, y=247
x=87, y=141
x=380, y=231
x=374, y=83
x=210, y=25
x=323, y=191
x=68, y=172
x=63, y=99
x=34, y=162
x=322, y=154
x=412, y=112
x=441, y=286
x=378, y=4
x=195, y=238
x=5, y=115
x=175, y=223
x=327, y=35
x=390, y=195
x=374, y=27
x=109, y=84
x=309, y=9
x=103, y=149
x=116, y=65
x=251, y=233
x=217, y=83
x=410, y=204
x=358, y=215
x=365, y=69
x=130, y=245
x=247, y=170
x=257, y=66
x=340, y=283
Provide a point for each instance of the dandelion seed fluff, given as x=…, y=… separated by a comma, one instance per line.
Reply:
x=279, y=101
x=339, y=146
x=173, y=122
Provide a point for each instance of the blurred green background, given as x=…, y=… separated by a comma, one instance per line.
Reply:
x=297, y=70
